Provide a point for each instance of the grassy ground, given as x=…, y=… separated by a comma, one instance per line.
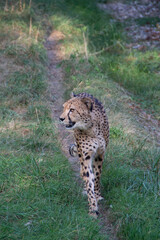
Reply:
x=35, y=176
x=39, y=197
x=130, y=178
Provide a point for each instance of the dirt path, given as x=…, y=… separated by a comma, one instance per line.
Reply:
x=56, y=92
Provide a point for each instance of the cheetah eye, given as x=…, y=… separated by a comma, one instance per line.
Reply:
x=71, y=110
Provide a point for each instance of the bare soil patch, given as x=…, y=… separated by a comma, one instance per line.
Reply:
x=56, y=90
x=142, y=36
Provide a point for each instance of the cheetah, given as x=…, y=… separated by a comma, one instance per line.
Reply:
x=86, y=116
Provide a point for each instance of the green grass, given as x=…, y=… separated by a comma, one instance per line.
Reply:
x=39, y=196
x=82, y=19
x=131, y=186
x=130, y=179
x=139, y=73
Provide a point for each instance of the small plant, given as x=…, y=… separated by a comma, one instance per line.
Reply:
x=116, y=132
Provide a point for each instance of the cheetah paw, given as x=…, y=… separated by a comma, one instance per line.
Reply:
x=73, y=150
x=94, y=214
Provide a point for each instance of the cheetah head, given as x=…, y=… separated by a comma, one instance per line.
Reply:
x=77, y=113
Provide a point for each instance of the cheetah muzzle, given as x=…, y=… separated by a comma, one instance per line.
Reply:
x=70, y=125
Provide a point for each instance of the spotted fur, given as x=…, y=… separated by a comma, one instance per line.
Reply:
x=86, y=116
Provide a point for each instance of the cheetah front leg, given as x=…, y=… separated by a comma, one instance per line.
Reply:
x=97, y=169
x=88, y=178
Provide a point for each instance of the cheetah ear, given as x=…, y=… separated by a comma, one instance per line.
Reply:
x=72, y=95
x=88, y=103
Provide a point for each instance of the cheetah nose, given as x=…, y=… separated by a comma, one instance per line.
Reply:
x=61, y=119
